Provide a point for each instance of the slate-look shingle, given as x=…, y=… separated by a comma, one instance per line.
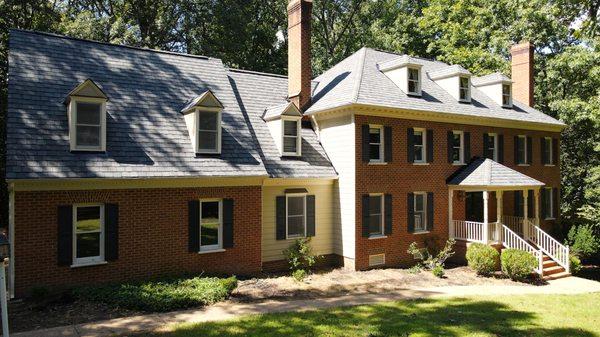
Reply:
x=486, y=172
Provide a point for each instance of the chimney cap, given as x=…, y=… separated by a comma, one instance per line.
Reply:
x=524, y=44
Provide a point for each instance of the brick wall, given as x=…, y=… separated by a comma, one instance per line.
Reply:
x=153, y=235
x=400, y=178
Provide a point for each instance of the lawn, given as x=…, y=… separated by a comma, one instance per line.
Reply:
x=528, y=315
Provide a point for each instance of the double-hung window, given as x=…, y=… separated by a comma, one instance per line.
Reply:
x=458, y=147
x=376, y=213
x=414, y=81
x=291, y=137
x=521, y=150
x=209, y=131
x=376, y=144
x=88, y=234
x=295, y=215
x=548, y=153
x=88, y=124
x=420, y=211
x=211, y=224
x=492, y=146
x=548, y=200
x=419, y=145
x=506, y=95
x=464, y=89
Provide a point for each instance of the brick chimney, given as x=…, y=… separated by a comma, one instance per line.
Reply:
x=522, y=72
x=299, y=65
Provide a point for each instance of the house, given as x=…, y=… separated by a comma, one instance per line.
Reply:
x=127, y=163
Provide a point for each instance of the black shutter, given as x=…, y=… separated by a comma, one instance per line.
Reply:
x=450, y=138
x=486, y=147
x=388, y=214
x=430, y=146
x=65, y=235
x=555, y=203
x=365, y=143
x=310, y=215
x=410, y=146
x=516, y=150
x=530, y=204
x=501, y=149
x=111, y=241
x=387, y=144
x=554, y=151
x=410, y=212
x=365, y=215
x=228, y=223
x=543, y=151
x=429, y=211
x=543, y=209
x=517, y=201
x=194, y=226
x=280, y=218
x=467, y=139
x=529, y=150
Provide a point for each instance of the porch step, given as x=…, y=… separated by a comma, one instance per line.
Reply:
x=556, y=276
x=549, y=263
x=553, y=270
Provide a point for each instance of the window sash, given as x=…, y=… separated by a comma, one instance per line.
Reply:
x=457, y=150
x=549, y=151
x=464, y=88
x=420, y=214
x=419, y=146
x=413, y=81
x=77, y=233
x=492, y=148
x=214, y=145
x=522, y=150
x=549, y=203
x=377, y=155
x=209, y=226
x=376, y=230
x=506, y=94
x=301, y=216
x=83, y=127
x=287, y=147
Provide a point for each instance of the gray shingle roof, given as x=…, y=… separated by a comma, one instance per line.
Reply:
x=489, y=79
x=486, y=172
x=146, y=133
x=357, y=79
x=277, y=111
x=272, y=92
x=452, y=70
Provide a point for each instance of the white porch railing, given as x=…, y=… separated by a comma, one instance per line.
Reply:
x=510, y=239
x=515, y=223
x=547, y=244
x=468, y=230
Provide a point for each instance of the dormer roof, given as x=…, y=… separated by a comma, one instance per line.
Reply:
x=449, y=71
x=399, y=62
x=87, y=88
x=206, y=99
x=287, y=109
x=492, y=78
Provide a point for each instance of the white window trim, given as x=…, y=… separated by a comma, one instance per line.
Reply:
x=382, y=234
x=73, y=123
x=423, y=160
x=550, y=206
x=549, y=145
x=424, y=225
x=408, y=80
x=495, y=154
x=381, y=159
x=524, y=163
x=468, y=98
x=219, y=246
x=298, y=136
x=461, y=150
x=219, y=131
x=92, y=260
x=509, y=105
x=294, y=195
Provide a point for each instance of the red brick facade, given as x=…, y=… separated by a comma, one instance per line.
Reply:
x=153, y=236
x=399, y=178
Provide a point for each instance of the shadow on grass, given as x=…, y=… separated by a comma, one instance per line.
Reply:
x=424, y=317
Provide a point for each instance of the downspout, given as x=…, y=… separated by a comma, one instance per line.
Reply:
x=11, y=239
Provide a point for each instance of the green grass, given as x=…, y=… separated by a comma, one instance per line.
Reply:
x=531, y=315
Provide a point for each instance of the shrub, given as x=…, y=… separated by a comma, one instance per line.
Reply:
x=575, y=264
x=438, y=271
x=161, y=295
x=583, y=241
x=482, y=258
x=299, y=274
x=299, y=255
x=517, y=264
x=428, y=260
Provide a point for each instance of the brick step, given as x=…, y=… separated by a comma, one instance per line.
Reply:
x=549, y=263
x=553, y=270
x=556, y=276
x=546, y=258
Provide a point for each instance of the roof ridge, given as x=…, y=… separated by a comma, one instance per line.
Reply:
x=402, y=54
x=59, y=36
x=244, y=71
x=360, y=67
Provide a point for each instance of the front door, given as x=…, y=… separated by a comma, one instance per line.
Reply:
x=474, y=206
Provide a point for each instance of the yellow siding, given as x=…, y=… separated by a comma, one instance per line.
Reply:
x=322, y=242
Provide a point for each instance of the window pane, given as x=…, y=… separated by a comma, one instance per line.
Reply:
x=374, y=135
x=210, y=211
x=419, y=202
x=374, y=152
x=521, y=150
x=290, y=128
x=295, y=226
x=88, y=219
x=464, y=94
x=295, y=205
x=455, y=155
x=207, y=140
x=88, y=113
x=506, y=89
x=418, y=153
x=88, y=245
x=209, y=234
x=418, y=138
x=289, y=144
x=412, y=86
x=413, y=74
x=88, y=135
x=208, y=120
x=419, y=221
x=375, y=224
x=464, y=82
x=456, y=140
x=375, y=205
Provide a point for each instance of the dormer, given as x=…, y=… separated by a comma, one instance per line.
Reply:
x=496, y=86
x=456, y=80
x=284, y=122
x=203, y=120
x=405, y=72
x=86, y=112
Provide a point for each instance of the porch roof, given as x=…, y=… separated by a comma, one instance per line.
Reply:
x=488, y=173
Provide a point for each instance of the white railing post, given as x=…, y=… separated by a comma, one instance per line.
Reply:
x=568, y=266
x=524, y=225
x=485, y=217
x=451, y=228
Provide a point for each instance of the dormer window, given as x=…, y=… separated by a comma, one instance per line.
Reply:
x=86, y=109
x=464, y=89
x=291, y=137
x=285, y=122
x=203, y=120
x=506, y=95
x=414, y=82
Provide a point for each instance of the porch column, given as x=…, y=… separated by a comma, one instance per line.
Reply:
x=499, y=211
x=486, y=234
x=450, y=215
x=536, y=194
x=524, y=227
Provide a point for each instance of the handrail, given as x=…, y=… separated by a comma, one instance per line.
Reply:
x=547, y=244
x=510, y=239
x=515, y=223
x=468, y=230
